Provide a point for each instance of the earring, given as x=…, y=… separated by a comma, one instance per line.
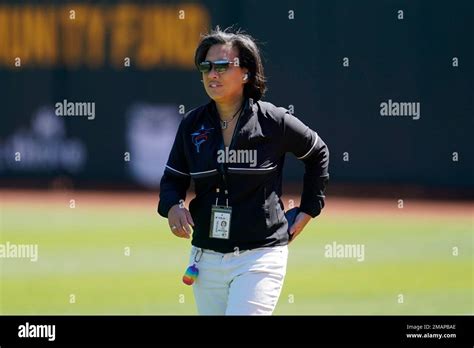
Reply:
x=246, y=76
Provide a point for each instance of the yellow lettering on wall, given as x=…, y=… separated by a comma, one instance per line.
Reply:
x=147, y=50
x=27, y=34
x=72, y=31
x=16, y=40
x=197, y=22
x=45, y=37
x=164, y=36
x=5, y=51
x=123, y=33
x=167, y=41
x=95, y=38
x=151, y=35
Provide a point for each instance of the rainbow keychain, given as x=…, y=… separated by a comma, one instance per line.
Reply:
x=192, y=271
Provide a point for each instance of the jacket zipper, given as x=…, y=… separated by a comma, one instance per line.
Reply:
x=235, y=129
x=231, y=142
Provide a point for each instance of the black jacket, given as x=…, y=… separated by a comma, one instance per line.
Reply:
x=254, y=192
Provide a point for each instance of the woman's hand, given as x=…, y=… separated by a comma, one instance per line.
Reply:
x=300, y=222
x=180, y=221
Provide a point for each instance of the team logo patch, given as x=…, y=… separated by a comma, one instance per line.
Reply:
x=200, y=136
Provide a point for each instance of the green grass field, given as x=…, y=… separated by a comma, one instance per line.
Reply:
x=82, y=253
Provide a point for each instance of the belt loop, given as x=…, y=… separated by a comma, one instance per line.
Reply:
x=196, y=257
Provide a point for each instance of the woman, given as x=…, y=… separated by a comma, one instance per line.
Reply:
x=234, y=149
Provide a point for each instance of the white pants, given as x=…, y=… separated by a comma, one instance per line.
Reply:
x=244, y=283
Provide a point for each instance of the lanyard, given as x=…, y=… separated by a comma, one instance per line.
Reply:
x=221, y=166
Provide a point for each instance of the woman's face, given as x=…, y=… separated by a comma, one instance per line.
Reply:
x=227, y=86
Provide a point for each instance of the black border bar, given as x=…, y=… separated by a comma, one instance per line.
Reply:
x=172, y=330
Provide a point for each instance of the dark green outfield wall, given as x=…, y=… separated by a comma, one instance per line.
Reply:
x=424, y=57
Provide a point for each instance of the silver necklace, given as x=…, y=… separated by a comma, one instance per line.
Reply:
x=225, y=123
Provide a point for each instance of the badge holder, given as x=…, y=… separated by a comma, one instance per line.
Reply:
x=220, y=219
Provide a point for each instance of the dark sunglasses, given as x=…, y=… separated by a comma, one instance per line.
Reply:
x=219, y=65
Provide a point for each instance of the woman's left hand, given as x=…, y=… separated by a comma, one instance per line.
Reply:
x=300, y=222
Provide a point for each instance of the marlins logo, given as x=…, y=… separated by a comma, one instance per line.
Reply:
x=200, y=136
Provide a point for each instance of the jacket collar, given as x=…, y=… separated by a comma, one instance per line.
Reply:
x=249, y=107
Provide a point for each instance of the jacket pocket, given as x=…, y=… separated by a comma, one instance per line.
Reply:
x=274, y=213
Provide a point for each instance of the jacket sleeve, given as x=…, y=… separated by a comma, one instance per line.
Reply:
x=308, y=147
x=176, y=178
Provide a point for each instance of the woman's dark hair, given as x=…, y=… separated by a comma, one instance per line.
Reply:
x=249, y=57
